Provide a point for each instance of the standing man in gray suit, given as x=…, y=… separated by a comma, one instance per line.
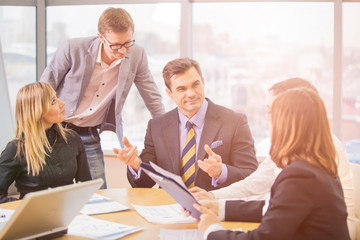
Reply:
x=208, y=145
x=94, y=75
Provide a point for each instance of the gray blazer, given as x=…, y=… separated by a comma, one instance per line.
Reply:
x=162, y=146
x=70, y=70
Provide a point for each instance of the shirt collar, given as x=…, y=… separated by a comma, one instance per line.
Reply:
x=52, y=131
x=198, y=119
x=98, y=59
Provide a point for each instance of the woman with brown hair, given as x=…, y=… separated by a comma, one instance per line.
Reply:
x=307, y=200
x=42, y=154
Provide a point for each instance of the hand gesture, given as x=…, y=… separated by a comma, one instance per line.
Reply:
x=211, y=165
x=212, y=205
x=207, y=217
x=201, y=194
x=128, y=155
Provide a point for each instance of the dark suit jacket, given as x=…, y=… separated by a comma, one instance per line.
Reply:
x=162, y=145
x=306, y=203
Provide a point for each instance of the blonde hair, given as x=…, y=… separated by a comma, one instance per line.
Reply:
x=301, y=131
x=116, y=20
x=32, y=102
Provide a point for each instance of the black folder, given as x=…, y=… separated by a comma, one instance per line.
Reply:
x=172, y=186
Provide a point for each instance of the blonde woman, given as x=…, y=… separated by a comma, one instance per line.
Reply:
x=43, y=154
x=307, y=200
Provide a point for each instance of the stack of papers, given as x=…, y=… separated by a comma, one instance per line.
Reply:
x=99, y=204
x=90, y=227
x=164, y=214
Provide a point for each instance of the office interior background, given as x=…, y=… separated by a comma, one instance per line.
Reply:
x=243, y=48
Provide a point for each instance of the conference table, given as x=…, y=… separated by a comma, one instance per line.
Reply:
x=145, y=197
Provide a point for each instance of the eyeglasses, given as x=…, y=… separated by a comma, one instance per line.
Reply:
x=116, y=47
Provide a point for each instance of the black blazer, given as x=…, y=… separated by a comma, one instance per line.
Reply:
x=162, y=145
x=66, y=162
x=306, y=203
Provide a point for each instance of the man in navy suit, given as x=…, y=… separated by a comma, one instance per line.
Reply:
x=223, y=139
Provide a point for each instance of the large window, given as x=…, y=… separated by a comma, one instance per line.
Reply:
x=351, y=72
x=156, y=29
x=17, y=27
x=254, y=45
x=243, y=48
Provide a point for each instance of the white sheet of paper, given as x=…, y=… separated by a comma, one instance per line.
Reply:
x=183, y=234
x=99, y=204
x=5, y=214
x=164, y=214
x=90, y=227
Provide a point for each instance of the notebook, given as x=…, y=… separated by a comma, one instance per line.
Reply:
x=47, y=214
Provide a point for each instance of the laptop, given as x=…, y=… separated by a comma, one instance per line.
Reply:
x=47, y=214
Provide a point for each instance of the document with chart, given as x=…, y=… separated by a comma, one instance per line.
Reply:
x=164, y=214
x=99, y=204
x=90, y=227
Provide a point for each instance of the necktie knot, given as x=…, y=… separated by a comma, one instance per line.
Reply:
x=189, y=125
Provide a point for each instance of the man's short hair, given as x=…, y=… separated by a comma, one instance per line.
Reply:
x=290, y=84
x=116, y=20
x=178, y=66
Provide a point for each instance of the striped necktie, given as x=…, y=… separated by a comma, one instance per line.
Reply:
x=188, y=157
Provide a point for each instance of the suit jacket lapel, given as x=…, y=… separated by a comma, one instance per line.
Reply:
x=123, y=75
x=171, y=135
x=210, y=130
